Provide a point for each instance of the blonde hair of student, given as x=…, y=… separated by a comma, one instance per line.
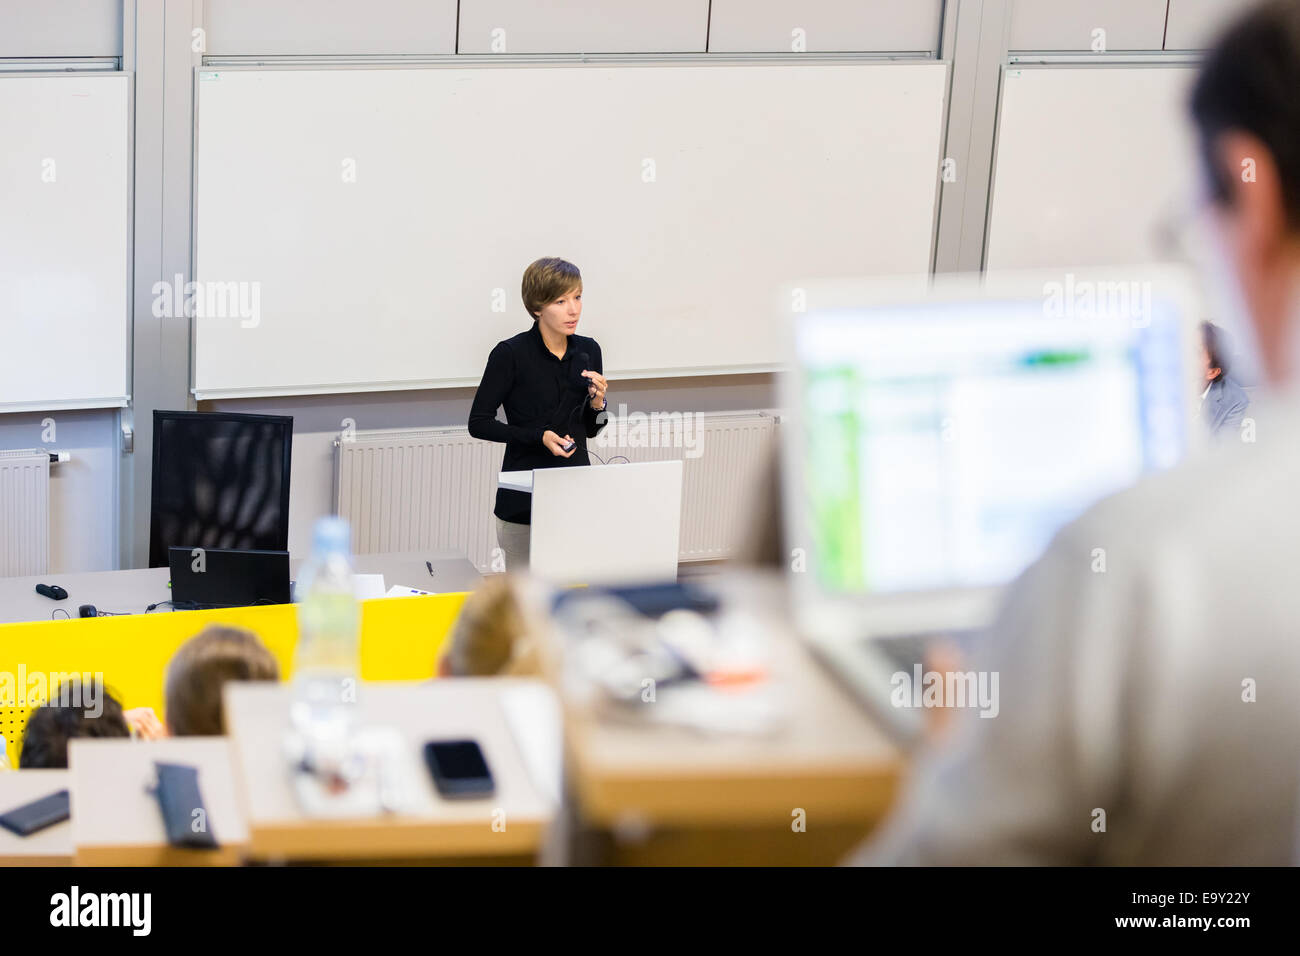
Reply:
x=201, y=667
x=491, y=636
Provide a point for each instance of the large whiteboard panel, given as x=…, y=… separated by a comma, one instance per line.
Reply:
x=1090, y=162
x=64, y=228
x=686, y=194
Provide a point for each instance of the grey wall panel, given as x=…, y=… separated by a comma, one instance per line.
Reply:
x=768, y=26
x=42, y=28
x=1193, y=24
x=974, y=43
x=1068, y=24
x=583, y=26
x=329, y=27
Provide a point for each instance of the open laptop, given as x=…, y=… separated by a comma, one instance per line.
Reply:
x=940, y=434
x=219, y=577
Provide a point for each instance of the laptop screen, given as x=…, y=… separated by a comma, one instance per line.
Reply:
x=943, y=443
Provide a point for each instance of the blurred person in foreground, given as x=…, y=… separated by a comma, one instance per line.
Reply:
x=1224, y=402
x=1149, y=711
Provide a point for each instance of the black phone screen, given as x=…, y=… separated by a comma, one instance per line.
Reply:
x=458, y=759
x=458, y=768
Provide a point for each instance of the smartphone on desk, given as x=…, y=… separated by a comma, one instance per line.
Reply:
x=36, y=816
x=459, y=769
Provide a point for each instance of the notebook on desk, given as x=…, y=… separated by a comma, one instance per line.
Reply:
x=938, y=439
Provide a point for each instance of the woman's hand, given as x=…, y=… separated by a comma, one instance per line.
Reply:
x=555, y=445
x=596, y=389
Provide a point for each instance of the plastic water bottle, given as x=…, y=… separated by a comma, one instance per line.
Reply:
x=326, y=663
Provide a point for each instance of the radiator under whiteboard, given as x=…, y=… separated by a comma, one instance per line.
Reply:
x=434, y=488
x=24, y=512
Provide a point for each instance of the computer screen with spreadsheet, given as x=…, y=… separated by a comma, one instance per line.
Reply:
x=941, y=443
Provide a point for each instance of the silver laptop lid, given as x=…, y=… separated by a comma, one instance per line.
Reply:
x=941, y=432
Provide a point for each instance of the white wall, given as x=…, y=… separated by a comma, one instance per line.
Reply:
x=1047, y=25
x=320, y=28
x=583, y=26
x=1193, y=24
x=824, y=25
x=62, y=28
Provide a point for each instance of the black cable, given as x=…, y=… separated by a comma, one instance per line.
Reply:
x=55, y=612
x=611, y=461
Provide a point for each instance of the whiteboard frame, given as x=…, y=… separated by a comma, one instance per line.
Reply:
x=99, y=66
x=521, y=61
x=1069, y=61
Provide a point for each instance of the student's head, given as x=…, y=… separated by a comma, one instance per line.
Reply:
x=1246, y=106
x=1213, y=351
x=73, y=710
x=201, y=667
x=491, y=634
x=552, y=290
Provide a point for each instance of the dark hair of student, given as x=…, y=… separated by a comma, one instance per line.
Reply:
x=1212, y=337
x=1250, y=82
x=64, y=717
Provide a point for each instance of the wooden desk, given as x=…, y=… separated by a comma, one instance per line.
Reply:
x=131, y=591
x=116, y=820
x=258, y=718
x=830, y=760
x=49, y=847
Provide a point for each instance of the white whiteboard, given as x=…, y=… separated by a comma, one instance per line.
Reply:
x=1089, y=162
x=64, y=227
x=463, y=175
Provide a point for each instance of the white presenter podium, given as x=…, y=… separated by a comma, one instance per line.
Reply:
x=604, y=524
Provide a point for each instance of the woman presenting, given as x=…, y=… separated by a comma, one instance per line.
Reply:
x=549, y=381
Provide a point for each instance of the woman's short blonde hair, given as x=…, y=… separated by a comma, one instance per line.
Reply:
x=546, y=280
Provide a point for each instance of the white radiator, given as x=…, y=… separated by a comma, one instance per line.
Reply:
x=416, y=489
x=24, y=512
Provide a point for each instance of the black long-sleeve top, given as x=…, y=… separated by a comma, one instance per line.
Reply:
x=540, y=393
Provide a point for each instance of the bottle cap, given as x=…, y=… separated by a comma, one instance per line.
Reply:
x=331, y=535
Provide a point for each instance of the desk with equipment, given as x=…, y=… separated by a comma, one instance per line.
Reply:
x=752, y=754
x=132, y=591
x=117, y=815
x=412, y=820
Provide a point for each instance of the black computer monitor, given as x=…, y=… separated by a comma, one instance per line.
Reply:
x=228, y=578
x=220, y=480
